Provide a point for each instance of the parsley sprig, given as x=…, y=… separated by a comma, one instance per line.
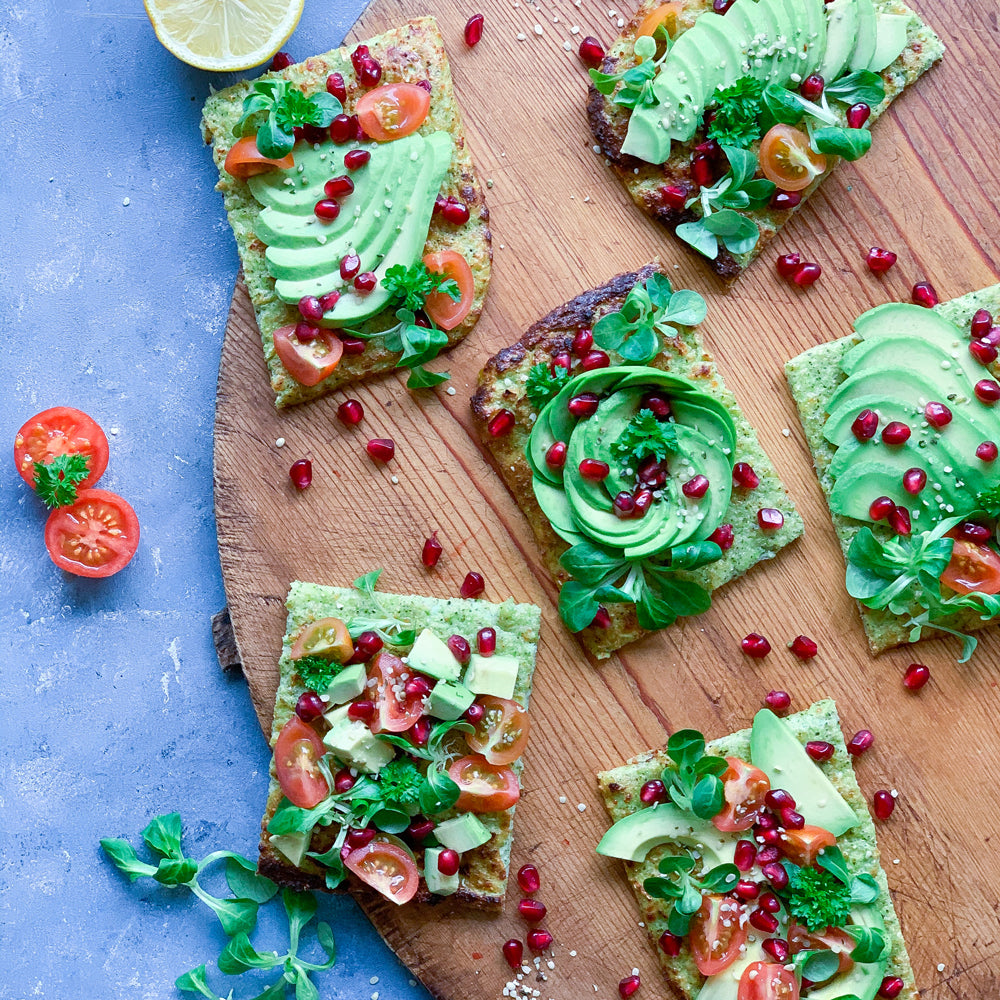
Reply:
x=643, y=436
x=413, y=284
x=676, y=883
x=737, y=113
x=317, y=671
x=275, y=108
x=56, y=481
x=543, y=383
x=636, y=81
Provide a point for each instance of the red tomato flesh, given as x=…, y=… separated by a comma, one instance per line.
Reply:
x=716, y=934
x=308, y=362
x=834, y=938
x=60, y=431
x=393, y=111
x=387, y=868
x=326, y=637
x=296, y=752
x=767, y=981
x=973, y=568
x=441, y=308
x=803, y=846
x=745, y=787
x=502, y=733
x=94, y=536
x=397, y=711
x=484, y=787
x=245, y=159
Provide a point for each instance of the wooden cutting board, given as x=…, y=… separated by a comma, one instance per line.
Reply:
x=561, y=223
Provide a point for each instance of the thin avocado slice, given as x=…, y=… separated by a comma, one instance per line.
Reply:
x=837, y=429
x=864, y=46
x=956, y=371
x=865, y=978
x=557, y=510
x=710, y=417
x=842, y=18
x=913, y=320
x=890, y=40
x=733, y=62
x=814, y=37
x=776, y=751
x=901, y=383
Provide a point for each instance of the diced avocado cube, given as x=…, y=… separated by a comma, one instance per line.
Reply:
x=354, y=744
x=462, y=833
x=431, y=656
x=495, y=675
x=335, y=716
x=292, y=845
x=440, y=885
x=449, y=700
x=348, y=684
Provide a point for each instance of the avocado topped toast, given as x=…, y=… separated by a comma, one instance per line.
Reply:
x=721, y=119
x=903, y=424
x=643, y=483
x=755, y=863
x=399, y=725
x=360, y=222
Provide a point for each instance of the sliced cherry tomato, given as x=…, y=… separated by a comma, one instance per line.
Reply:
x=325, y=637
x=834, y=938
x=484, y=787
x=717, y=933
x=666, y=14
x=745, y=788
x=442, y=308
x=245, y=159
x=973, y=568
x=502, y=733
x=768, y=981
x=397, y=711
x=802, y=847
x=387, y=868
x=60, y=431
x=393, y=111
x=310, y=362
x=787, y=159
x=296, y=752
x=96, y=535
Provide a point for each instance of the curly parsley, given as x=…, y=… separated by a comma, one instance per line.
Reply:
x=645, y=436
x=56, y=481
x=411, y=285
x=737, y=117
x=543, y=383
x=317, y=672
x=400, y=782
x=817, y=898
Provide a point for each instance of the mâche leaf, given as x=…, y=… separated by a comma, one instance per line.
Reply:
x=849, y=143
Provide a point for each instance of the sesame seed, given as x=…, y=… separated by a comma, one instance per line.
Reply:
x=280, y=443
x=581, y=807
x=539, y=29
x=126, y=202
x=940, y=967
x=373, y=980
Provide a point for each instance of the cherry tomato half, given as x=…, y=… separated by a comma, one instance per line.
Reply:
x=296, y=752
x=441, y=308
x=60, y=431
x=502, y=733
x=802, y=847
x=396, y=712
x=96, y=535
x=717, y=934
x=787, y=159
x=973, y=568
x=308, y=362
x=745, y=787
x=386, y=867
x=834, y=938
x=768, y=981
x=393, y=111
x=326, y=637
x=245, y=159
x=666, y=14
x=484, y=787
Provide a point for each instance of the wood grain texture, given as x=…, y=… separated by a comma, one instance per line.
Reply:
x=930, y=192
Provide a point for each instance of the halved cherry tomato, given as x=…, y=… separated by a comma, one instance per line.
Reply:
x=973, y=568
x=442, y=308
x=245, y=159
x=387, y=868
x=768, y=981
x=325, y=637
x=397, y=711
x=802, y=847
x=393, y=111
x=60, y=431
x=834, y=938
x=311, y=362
x=502, y=733
x=717, y=933
x=666, y=14
x=96, y=535
x=484, y=787
x=296, y=752
x=745, y=787
x=787, y=159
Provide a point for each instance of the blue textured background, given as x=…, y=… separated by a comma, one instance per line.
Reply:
x=112, y=705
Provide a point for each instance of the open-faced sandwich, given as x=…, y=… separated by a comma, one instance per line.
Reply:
x=360, y=223
x=399, y=726
x=641, y=479
x=903, y=421
x=755, y=864
x=722, y=117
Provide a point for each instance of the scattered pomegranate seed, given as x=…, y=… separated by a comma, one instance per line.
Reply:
x=784, y=200
x=623, y=505
x=341, y=129
x=787, y=264
x=381, y=449
x=486, y=641
x=281, y=60
x=528, y=879
x=417, y=687
x=594, y=360
x=456, y=212
x=326, y=209
x=775, y=872
x=914, y=480
x=594, y=469
x=916, y=676
x=658, y=405
x=367, y=645
x=746, y=890
x=652, y=472
x=723, y=536
x=583, y=341
x=475, y=712
x=343, y=781
x=628, y=986
x=791, y=820
x=744, y=476
x=361, y=711
x=369, y=73
x=770, y=837
x=350, y=412
x=984, y=352
x=501, y=424
x=695, y=488
x=472, y=586
x=923, y=294
x=305, y=333
x=770, y=903
x=721, y=6
x=653, y=792
x=675, y=196
x=745, y=855
x=356, y=158
x=891, y=987
x=973, y=532
x=811, y=87
x=755, y=645
x=880, y=508
x=987, y=391
x=857, y=115
x=328, y=301
x=768, y=854
x=350, y=265
x=513, y=952
x=532, y=911
x=555, y=457
x=937, y=414
x=779, y=798
x=359, y=55
x=777, y=701
x=584, y=405
x=431, y=552
x=473, y=30
x=777, y=948
x=447, y=862
x=764, y=921
x=360, y=838
x=981, y=323
x=899, y=520
x=865, y=425
x=879, y=261
x=458, y=644
x=310, y=309
x=702, y=170
x=770, y=519
x=807, y=274
x=591, y=52
x=602, y=619
x=339, y=187
x=353, y=345
x=301, y=473
x=803, y=647
x=883, y=804
x=539, y=940
x=365, y=282
x=309, y=706
x=420, y=733
x=335, y=85
x=861, y=741
x=562, y=360
x=670, y=943
x=987, y=451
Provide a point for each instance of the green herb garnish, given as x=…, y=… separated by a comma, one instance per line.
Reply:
x=543, y=383
x=275, y=108
x=636, y=81
x=390, y=629
x=817, y=898
x=413, y=284
x=56, y=481
x=737, y=113
x=645, y=436
x=989, y=501
x=695, y=785
x=685, y=890
x=317, y=671
x=401, y=781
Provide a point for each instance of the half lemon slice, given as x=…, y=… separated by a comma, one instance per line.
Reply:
x=223, y=35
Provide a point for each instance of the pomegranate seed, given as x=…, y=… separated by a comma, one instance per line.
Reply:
x=973, y=532
x=675, y=196
x=937, y=414
x=643, y=501
x=459, y=645
x=356, y=158
x=367, y=645
x=768, y=854
x=744, y=476
x=311, y=133
x=365, y=282
x=792, y=820
x=784, y=200
x=879, y=261
x=474, y=713
x=561, y=360
x=857, y=115
x=369, y=73
x=326, y=209
x=721, y=6
x=305, y=333
x=777, y=701
x=723, y=536
x=746, y=890
x=341, y=129
x=779, y=798
x=628, y=986
x=777, y=948
x=591, y=52
x=984, y=352
x=350, y=412
x=987, y=451
x=593, y=360
x=658, y=405
x=770, y=519
x=528, y=879
x=350, y=265
x=301, y=473
x=343, y=781
x=584, y=405
x=865, y=425
x=861, y=741
x=811, y=87
x=381, y=449
x=539, y=940
x=339, y=187
x=764, y=921
x=916, y=676
x=310, y=309
x=309, y=706
x=447, y=862
x=602, y=619
x=420, y=732
x=702, y=171
x=987, y=391
x=360, y=838
x=914, y=480
x=891, y=987
x=981, y=323
x=623, y=505
x=486, y=641
x=431, y=552
x=652, y=472
x=807, y=274
x=417, y=687
x=361, y=711
x=328, y=301
x=455, y=212
x=555, y=457
x=695, y=488
x=770, y=903
x=335, y=85
x=899, y=521
x=923, y=294
x=513, y=952
x=281, y=60
x=583, y=341
x=755, y=645
x=775, y=872
x=359, y=55
x=771, y=837
x=788, y=263
x=670, y=943
x=473, y=30
x=531, y=910
x=472, y=586
x=353, y=345
x=501, y=424
x=880, y=508
x=803, y=647
x=745, y=856
x=653, y=792
x=883, y=804
x=594, y=469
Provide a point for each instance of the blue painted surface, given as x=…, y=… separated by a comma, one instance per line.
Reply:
x=112, y=706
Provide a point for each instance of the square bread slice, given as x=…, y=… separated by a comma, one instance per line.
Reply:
x=502, y=387
x=619, y=788
x=483, y=875
x=813, y=377
x=645, y=181
x=411, y=53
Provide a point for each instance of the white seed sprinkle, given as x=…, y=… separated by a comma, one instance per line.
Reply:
x=572, y=954
x=126, y=202
x=568, y=45
x=373, y=980
x=450, y=390
x=575, y=29
x=581, y=807
x=280, y=443
x=562, y=800
x=940, y=967
x=394, y=480
x=521, y=36
x=786, y=431
x=539, y=30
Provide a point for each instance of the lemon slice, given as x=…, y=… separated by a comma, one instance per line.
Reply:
x=223, y=35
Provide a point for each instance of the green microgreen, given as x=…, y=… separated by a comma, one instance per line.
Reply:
x=275, y=108
x=817, y=898
x=636, y=88
x=411, y=285
x=543, y=383
x=694, y=784
x=415, y=344
x=678, y=885
x=989, y=501
x=645, y=436
x=56, y=480
x=390, y=629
